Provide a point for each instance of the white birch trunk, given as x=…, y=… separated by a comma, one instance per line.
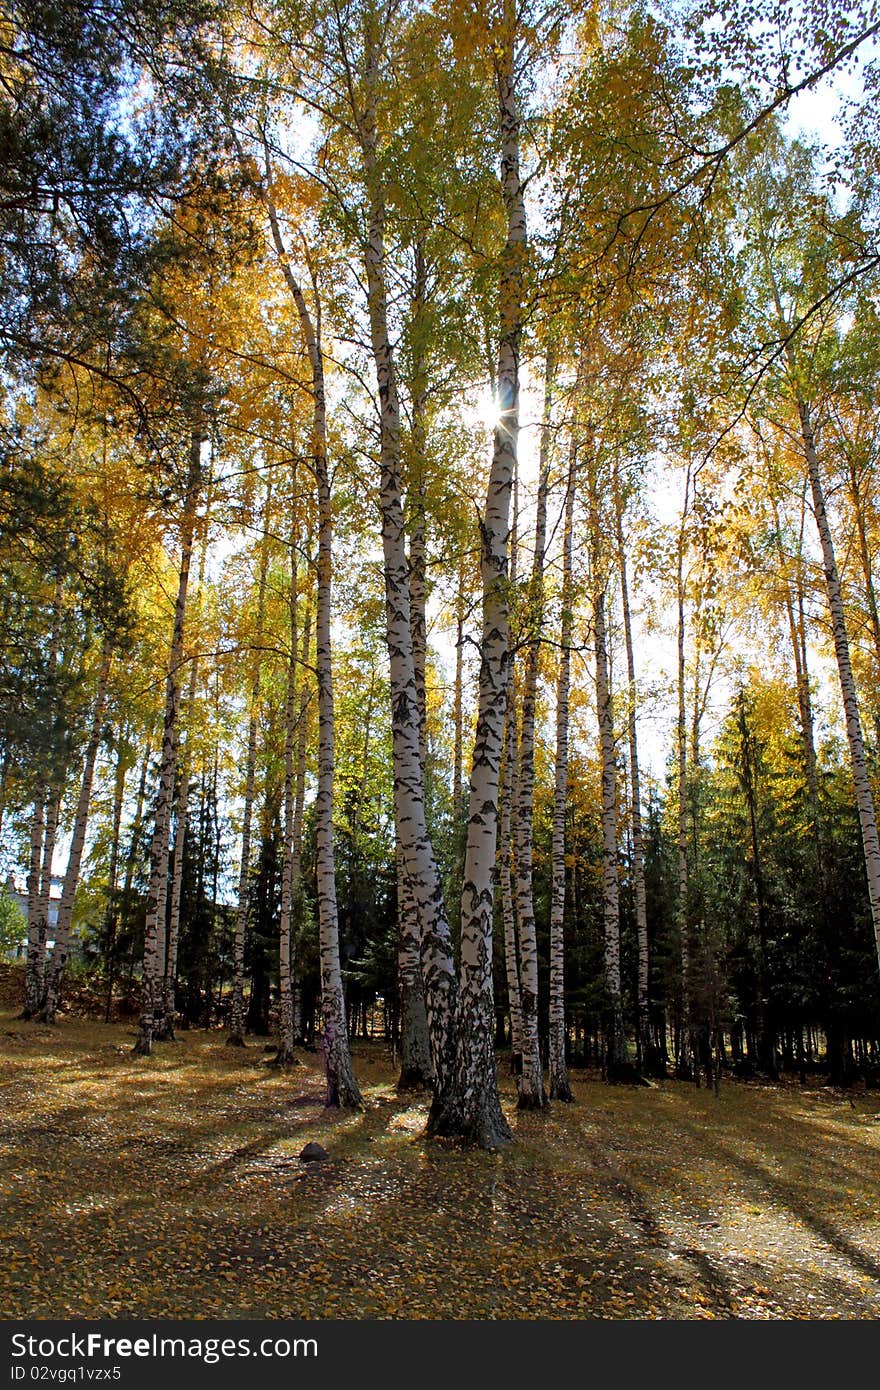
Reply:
x=409, y=799
x=683, y=1057
x=472, y=1111
x=615, y=1039
x=236, y=1033
x=505, y=854
x=858, y=761
x=55, y=970
x=154, y=928
x=560, y=1089
x=458, y=713
x=181, y=814
x=285, y=1056
x=507, y=815
x=648, y=1058
x=416, y=1070
x=858, y=506
x=34, y=970
x=111, y=912
x=53, y=809
x=42, y=840
x=342, y=1089
x=165, y=1031
x=298, y=812
x=797, y=637
x=530, y=1083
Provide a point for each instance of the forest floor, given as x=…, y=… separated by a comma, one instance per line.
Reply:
x=171, y=1187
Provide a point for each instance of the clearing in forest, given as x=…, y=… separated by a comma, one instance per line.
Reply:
x=171, y=1187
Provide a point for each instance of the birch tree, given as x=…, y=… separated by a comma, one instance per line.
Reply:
x=154, y=931
x=237, y=1008
x=789, y=276
x=529, y=1080
x=560, y=1088
x=342, y=1088
x=473, y=1109
x=55, y=971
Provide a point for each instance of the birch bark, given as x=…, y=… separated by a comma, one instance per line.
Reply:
x=42, y=840
x=285, y=1055
x=165, y=1033
x=154, y=928
x=797, y=635
x=505, y=855
x=409, y=799
x=473, y=1111
x=683, y=1064
x=648, y=1055
x=530, y=1083
x=342, y=1088
x=415, y=1043
x=35, y=968
x=508, y=812
x=615, y=1038
x=560, y=1088
x=53, y=811
x=298, y=812
x=55, y=969
x=112, y=910
x=840, y=635
x=237, y=1020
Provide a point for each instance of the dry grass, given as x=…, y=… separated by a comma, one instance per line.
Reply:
x=171, y=1187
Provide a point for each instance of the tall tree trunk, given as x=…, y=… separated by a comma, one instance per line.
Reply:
x=164, y=1029
x=473, y=1109
x=507, y=813
x=35, y=968
x=42, y=843
x=648, y=1058
x=44, y=897
x=409, y=793
x=748, y=781
x=237, y=1016
x=154, y=928
x=136, y=827
x=560, y=1089
x=505, y=855
x=858, y=506
x=615, y=1037
x=458, y=707
x=342, y=1089
x=42, y=848
x=285, y=1055
x=858, y=761
x=794, y=612
x=165, y=1032
x=530, y=1082
x=298, y=813
x=4, y=782
x=111, y=915
x=415, y=1044
x=53, y=812
x=683, y=1051
x=61, y=950
x=458, y=798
